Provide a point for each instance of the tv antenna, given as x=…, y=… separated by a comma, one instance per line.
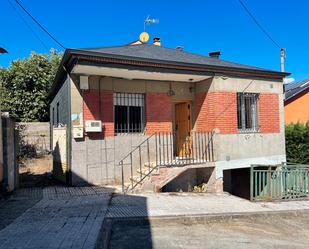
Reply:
x=149, y=20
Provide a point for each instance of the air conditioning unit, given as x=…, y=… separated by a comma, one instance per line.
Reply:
x=93, y=126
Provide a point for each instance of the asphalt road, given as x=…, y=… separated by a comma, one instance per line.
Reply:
x=249, y=232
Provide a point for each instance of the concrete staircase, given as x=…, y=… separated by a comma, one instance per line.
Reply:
x=153, y=178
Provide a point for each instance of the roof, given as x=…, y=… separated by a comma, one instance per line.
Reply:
x=293, y=90
x=159, y=58
x=159, y=53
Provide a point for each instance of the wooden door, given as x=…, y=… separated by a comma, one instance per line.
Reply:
x=183, y=129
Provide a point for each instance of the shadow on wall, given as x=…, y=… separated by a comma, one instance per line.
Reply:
x=190, y=180
x=60, y=172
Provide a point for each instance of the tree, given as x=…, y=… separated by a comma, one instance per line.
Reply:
x=25, y=86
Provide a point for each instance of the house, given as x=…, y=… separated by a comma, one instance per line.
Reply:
x=125, y=114
x=296, y=102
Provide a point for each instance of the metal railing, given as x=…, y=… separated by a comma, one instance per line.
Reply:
x=279, y=182
x=165, y=149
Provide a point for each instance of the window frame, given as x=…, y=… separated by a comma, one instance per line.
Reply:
x=128, y=100
x=242, y=113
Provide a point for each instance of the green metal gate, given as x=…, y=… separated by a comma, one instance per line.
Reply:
x=279, y=182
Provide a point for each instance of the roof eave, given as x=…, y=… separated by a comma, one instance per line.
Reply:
x=71, y=54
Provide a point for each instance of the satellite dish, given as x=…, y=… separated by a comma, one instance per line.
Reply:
x=144, y=37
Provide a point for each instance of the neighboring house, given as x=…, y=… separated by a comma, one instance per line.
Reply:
x=296, y=103
x=183, y=109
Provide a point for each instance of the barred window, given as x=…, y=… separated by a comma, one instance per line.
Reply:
x=129, y=112
x=247, y=117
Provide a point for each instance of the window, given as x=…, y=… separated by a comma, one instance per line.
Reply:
x=247, y=117
x=57, y=114
x=129, y=112
x=53, y=116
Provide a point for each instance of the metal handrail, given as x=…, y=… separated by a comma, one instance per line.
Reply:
x=130, y=155
x=195, y=150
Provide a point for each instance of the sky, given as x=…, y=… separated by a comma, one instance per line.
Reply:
x=197, y=26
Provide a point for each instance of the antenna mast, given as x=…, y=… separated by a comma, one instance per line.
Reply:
x=148, y=20
x=282, y=58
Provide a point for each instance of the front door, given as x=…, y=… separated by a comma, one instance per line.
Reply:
x=183, y=129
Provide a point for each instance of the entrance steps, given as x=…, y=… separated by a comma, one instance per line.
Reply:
x=155, y=178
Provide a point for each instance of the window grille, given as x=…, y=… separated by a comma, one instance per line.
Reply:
x=247, y=114
x=129, y=111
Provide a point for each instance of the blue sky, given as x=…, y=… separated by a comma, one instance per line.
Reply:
x=198, y=26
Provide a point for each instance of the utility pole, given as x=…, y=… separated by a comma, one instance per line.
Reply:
x=282, y=58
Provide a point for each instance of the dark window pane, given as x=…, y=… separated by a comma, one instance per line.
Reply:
x=135, y=119
x=121, y=118
x=239, y=112
x=129, y=112
x=248, y=112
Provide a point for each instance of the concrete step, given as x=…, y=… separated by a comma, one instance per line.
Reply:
x=146, y=171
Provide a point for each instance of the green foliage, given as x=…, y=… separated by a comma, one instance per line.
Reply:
x=25, y=86
x=297, y=143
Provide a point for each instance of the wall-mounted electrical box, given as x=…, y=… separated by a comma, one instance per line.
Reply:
x=83, y=82
x=78, y=131
x=93, y=126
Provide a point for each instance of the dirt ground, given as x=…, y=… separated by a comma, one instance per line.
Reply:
x=260, y=232
x=36, y=172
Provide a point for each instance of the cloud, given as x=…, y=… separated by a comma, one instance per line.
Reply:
x=288, y=80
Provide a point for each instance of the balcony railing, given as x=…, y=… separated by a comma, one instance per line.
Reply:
x=165, y=149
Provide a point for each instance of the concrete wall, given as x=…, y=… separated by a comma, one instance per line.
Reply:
x=62, y=97
x=64, y=101
x=10, y=179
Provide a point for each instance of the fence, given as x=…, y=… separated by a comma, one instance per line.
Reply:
x=279, y=182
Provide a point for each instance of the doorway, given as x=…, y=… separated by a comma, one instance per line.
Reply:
x=183, y=126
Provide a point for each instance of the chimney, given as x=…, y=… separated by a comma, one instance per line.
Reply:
x=214, y=54
x=156, y=41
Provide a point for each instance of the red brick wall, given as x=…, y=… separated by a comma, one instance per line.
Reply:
x=216, y=110
x=158, y=113
x=269, y=117
x=91, y=109
x=219, y=110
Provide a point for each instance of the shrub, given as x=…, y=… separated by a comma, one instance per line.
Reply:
x=297, y=143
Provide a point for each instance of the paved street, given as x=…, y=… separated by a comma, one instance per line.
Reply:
x=61, y=217
x=271, y=231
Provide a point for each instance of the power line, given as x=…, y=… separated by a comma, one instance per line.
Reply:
x=39, y=24
x=257, y=23
x=29, y=27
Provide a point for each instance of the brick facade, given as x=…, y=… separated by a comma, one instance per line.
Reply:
x=216, y=110
x=269, y=119
x=98, y=105
x=158, y=113
x=211, y=110
x=219, y=110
